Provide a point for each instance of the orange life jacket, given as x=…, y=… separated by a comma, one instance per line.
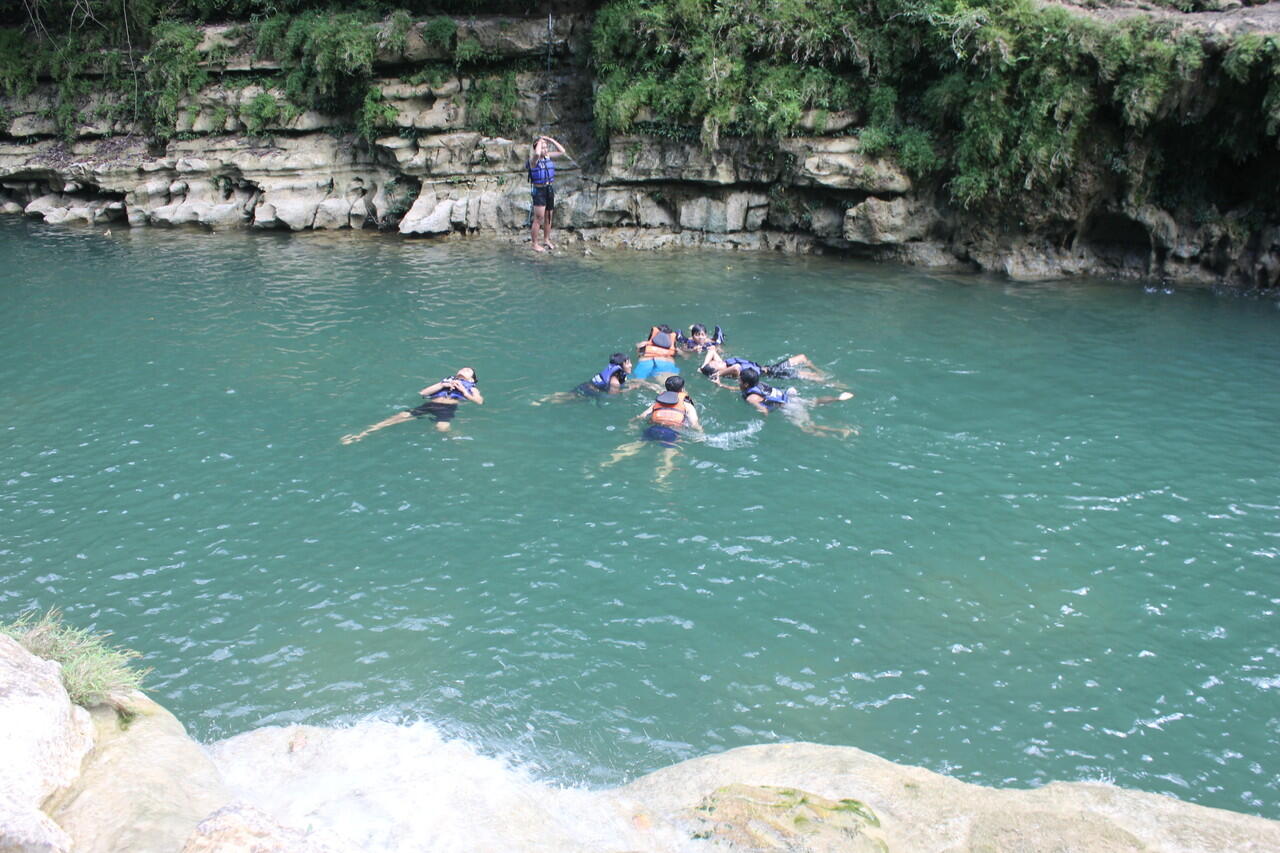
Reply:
x=668, y=415
x=652, y=350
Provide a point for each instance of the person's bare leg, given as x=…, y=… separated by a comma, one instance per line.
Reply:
x=558, y=397
x=391, y=421
x=536, y=227
x=626, y=451
x=806, y=369
x=798, y=413
x=546, y=229
x=667, y=465
x=823, y=429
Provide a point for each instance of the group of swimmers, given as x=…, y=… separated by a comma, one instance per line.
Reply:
x=673, y=411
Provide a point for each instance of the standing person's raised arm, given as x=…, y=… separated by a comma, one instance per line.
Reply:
x=557, y=145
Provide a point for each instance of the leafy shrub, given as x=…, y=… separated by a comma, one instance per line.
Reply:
x=492, y=103
x=440, y=32
x=328, y=57
x=172, y=73
x=261, y=112
x=375, y=115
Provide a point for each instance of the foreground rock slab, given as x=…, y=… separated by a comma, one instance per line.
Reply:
x=43, y=739
x=919, y=810
x=144, y=787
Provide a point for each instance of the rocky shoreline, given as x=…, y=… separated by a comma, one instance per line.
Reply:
x=433, y=175
x=90, y=780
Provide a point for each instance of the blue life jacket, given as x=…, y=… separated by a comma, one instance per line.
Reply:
x=772, y=396
x=452, y=393
x=688, y=343
x=542, y=171
x=601, y=379
x=744, y=364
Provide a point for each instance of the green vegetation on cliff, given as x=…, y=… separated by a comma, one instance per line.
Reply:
x=1021, y=111
x=1003, y=100
x=146, y=57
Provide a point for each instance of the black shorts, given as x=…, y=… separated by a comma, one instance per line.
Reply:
x=586, y=389
x=664, y=435
x=545, y=197
x=780, y=370
x=439, y=412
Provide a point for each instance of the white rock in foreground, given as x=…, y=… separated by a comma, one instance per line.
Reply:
x=144, y=787
x=43, y=739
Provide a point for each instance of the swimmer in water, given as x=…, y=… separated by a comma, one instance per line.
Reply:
x=698, y=340
x=611, y=380
x=441, y=404
x=657, y=353
x=765, y=399
x=717, y=367
x=670, y=413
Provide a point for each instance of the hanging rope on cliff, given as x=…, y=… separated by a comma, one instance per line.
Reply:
x=545, y=95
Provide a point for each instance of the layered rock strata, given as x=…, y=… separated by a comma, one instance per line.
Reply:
x=432, y=173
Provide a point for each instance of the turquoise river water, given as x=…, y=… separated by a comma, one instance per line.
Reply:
x=1050, y=553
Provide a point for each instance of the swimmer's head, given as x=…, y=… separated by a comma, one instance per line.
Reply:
x=467, y=374
x=697, y=330
x=707, y=370
x=675, y=383
x=619, y=358
x=663, y=327
x=748, y=377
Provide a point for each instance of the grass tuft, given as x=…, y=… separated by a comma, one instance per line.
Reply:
x=93, y=672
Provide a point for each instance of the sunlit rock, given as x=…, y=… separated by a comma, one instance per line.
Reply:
x=43, y=739
x=144, y=787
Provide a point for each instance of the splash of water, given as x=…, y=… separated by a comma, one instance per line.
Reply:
x=398, y=787
x=735, y=438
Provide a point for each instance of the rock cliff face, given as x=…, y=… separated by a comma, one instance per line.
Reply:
x=72, y=780
x=432, y=173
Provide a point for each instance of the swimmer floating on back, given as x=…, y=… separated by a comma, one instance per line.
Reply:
x=442, y=399
x=765, y=399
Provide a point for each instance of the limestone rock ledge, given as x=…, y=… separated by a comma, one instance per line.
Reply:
x=229, y=164
x=89, y=781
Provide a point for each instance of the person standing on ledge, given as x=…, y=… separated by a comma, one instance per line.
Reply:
x=542, y=174
x=442, y=399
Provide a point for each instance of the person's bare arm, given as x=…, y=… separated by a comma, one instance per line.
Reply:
x=557, y=145
x=691, y=416
x=757, y=402
x=473, y=394
x=432, y=389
